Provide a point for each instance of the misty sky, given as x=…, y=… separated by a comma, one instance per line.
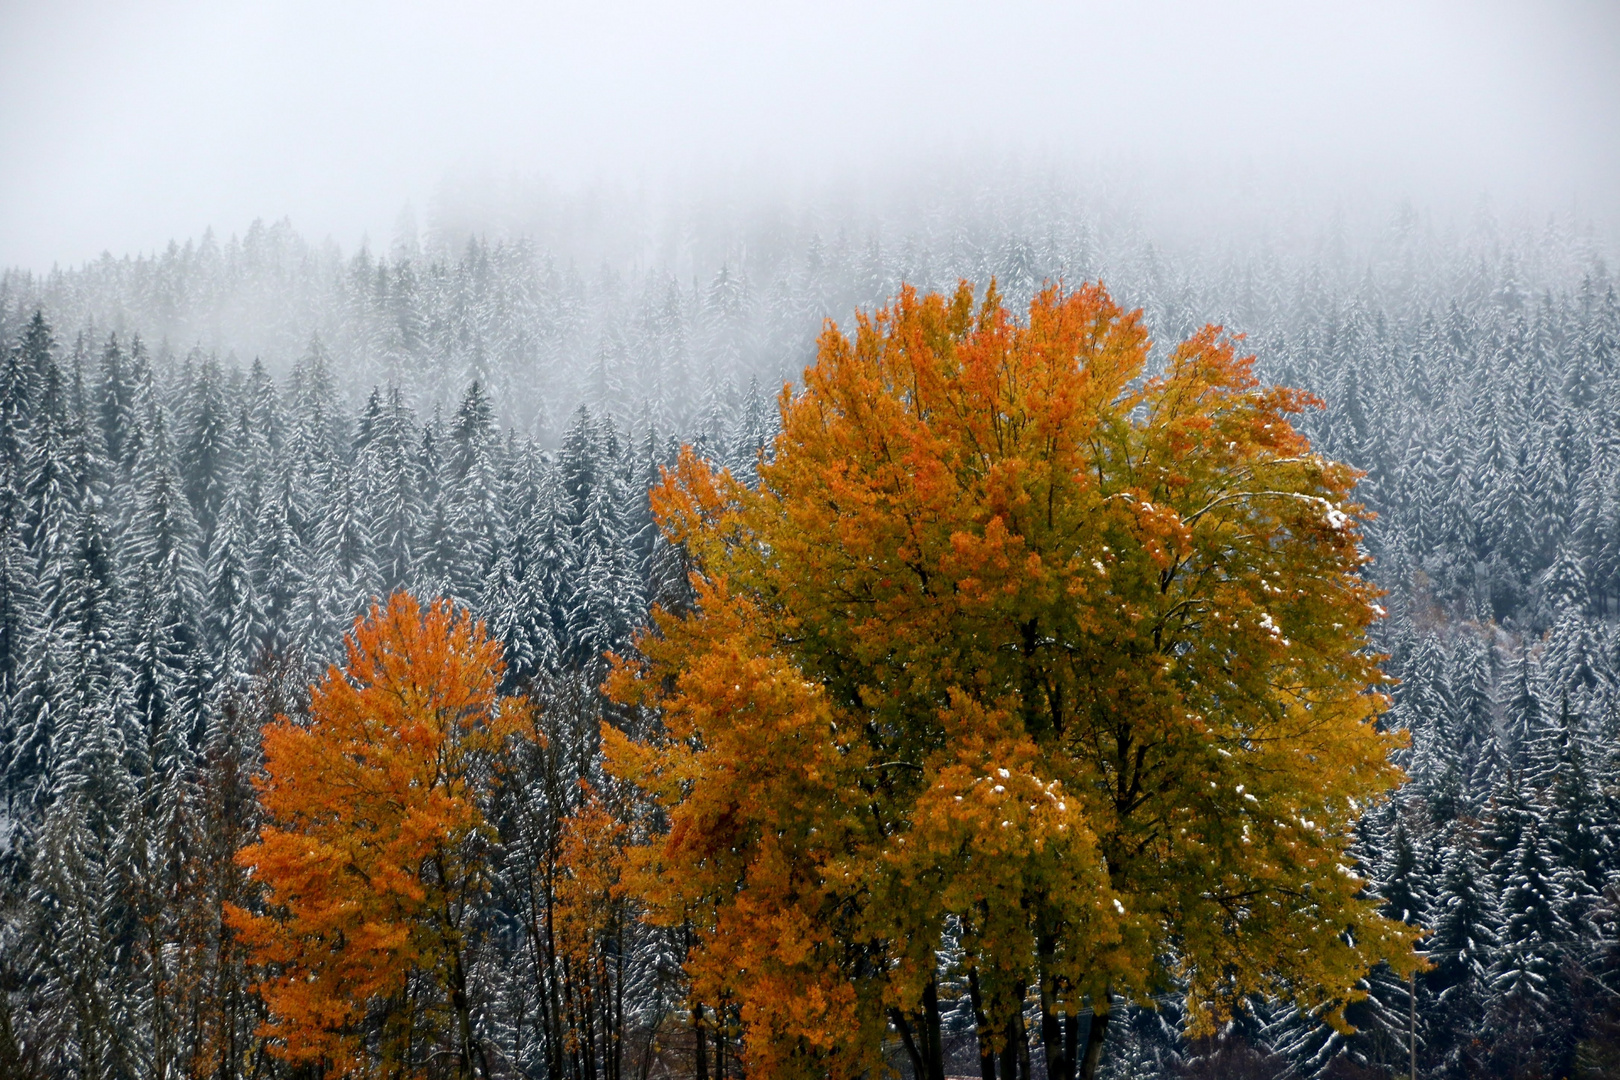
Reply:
x=125, y=124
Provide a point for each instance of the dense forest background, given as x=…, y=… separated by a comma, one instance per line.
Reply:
x=212, y=458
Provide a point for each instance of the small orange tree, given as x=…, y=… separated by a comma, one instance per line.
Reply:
x=375, y=852
x=1016, y=650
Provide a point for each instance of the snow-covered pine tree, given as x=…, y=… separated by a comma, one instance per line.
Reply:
x=513, y=596
x=606, y=606
x=438, y=557
x=1523, y=711
x=279, y=566
x=344, y=576
x=472, y=492
x=163, y=576
x=232, y=622
x=117, y=410
x=1472, y=701
x=1528, y=1009
x=1580, y=839
x=207, y=449
x=393, y=495
x=1425, y=707
x=1465, y=921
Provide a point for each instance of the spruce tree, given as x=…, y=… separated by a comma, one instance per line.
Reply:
x=207, y=456
x=1465, y=922
x=279, y=567
x=233, y=622
x=1529, y=1000
x=473, y=491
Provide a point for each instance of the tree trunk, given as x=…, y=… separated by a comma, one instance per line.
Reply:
x=1094, y=1040
x=981, y=1025
x=1015, y=1055
x=720, y=1041
x=572, y=1022
x=923, y=1044
x=702, y=1043
x=587, y=1023
x=458, y=1000
x=553, y=995
x=919, y=1070
x=934, y=1046
x=1024, y=1072
x=617, y=1033
x=1059, y=1033
x=1060, y=1036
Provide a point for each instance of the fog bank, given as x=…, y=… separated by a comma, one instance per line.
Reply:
x=129, y=126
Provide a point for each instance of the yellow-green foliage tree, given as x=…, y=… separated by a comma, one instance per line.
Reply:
x=375, y=854
x=1017, y=643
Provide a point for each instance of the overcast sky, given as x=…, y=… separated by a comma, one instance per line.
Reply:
x=123, y=125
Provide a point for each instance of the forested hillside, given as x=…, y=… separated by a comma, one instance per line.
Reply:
x=213, y=459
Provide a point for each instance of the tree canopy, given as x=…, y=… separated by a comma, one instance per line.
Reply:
x=375, y=854
x=1020, y=653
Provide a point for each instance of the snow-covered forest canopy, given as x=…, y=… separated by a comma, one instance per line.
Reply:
x=213, y=458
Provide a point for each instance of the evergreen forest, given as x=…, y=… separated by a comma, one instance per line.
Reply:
x=214, y=458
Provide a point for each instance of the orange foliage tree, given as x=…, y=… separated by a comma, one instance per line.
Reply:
x=375, y=852
x=1018, y=653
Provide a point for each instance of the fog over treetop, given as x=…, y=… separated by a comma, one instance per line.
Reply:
x=143, y=124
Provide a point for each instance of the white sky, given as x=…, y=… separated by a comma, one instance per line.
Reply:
x=123, y=125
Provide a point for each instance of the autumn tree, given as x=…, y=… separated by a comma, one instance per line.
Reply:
x=375, y=852
x=1016, y=641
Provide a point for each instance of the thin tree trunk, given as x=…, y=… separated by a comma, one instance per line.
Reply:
x=458, y=1001
x=1059, y=1033
x=410, y=1028
x=924, y=1047
x=572, y=1024
x=934, y=1048
x=542, y=976
x=918, y=1069
x=1023, y=1045
x=1009, y=1055
x=588, y=1018
x=557, y=995
x=1015, y=1055
x=617, y=1033
x=721, y=1030
x=702, y=1043
x=981, y=1028
x=644, y=1070
x=1094, y=1040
